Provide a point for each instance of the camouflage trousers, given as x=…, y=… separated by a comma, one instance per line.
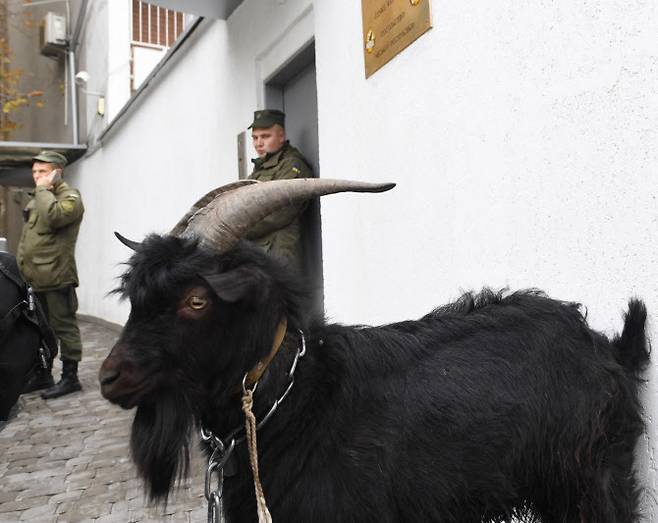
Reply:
x=60, y=306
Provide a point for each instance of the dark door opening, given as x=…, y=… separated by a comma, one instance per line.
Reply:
x=293, y=89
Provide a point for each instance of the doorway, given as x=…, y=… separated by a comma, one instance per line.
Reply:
x=293, y=89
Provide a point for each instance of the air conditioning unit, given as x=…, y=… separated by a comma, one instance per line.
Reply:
x=52, y=35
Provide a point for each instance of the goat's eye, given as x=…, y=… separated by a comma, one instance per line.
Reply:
x=197, y=302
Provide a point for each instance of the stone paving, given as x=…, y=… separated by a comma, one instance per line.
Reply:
x=68, y=459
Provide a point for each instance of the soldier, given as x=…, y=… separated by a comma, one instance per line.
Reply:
x=46, y=258
x=279, y=233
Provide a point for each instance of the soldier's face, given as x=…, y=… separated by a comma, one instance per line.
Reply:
x=40, y=169
x=268, y=140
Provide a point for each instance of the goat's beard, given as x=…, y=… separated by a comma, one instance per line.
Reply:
x=160, y=443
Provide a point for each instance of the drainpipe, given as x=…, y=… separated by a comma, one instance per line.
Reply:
x=70, y=51
x=74, y=95
x=73, y=43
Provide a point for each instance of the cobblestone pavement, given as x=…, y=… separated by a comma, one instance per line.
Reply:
x=68, y=459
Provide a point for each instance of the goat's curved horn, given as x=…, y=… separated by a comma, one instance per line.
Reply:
x=128, y=243
x=230, y=213
x=180, y=228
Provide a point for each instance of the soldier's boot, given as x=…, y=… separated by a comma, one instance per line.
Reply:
x=68, y=384
x=38, y=379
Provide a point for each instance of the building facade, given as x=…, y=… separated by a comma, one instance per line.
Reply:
x=523, y=139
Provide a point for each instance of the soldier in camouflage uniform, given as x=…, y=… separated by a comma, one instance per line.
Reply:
x=46, y=258
x=280, y=232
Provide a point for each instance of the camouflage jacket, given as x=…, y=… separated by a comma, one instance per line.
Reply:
x=46, y=251
x=280, y=232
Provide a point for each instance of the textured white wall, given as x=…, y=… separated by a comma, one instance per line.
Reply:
x=149, y=171
x=523, y=139
x=93, y=57
x=180, y=140
x=117, y=77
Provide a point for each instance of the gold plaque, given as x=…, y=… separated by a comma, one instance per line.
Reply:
x=389, y=26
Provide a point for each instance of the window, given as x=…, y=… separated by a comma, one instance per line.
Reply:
x=154, y=25
x=154, y=30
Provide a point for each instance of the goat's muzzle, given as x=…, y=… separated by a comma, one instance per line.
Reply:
x=120, y=381
x=108, y=376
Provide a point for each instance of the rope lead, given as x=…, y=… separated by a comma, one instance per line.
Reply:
x=250, y=430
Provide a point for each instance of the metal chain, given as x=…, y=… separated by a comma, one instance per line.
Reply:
x=223, y=448
x=218, y=459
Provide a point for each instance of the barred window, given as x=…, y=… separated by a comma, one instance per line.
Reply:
x=155, y=25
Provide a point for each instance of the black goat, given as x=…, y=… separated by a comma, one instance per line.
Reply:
x=493, y=407
x=485, y=409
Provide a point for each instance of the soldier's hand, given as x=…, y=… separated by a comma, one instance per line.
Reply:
x=48, y=179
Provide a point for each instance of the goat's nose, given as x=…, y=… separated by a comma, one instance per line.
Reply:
x=107, y=376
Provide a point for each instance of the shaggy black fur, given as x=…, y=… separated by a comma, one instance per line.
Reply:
x=492, y=407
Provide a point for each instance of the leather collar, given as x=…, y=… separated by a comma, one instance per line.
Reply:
x=255, y=374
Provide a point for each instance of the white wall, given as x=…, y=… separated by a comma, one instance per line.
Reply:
x=93, y=57
x=523, y=139
x=145, y=59
x=180, y=140
x=117, y=78
x=148, y=173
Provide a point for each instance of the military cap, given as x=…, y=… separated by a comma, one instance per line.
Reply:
x=265, y=118
x=51, y=157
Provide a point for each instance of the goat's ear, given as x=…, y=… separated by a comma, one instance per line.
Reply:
x=242, y=284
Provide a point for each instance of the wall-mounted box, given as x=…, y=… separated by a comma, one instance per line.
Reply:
x=52, y=35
